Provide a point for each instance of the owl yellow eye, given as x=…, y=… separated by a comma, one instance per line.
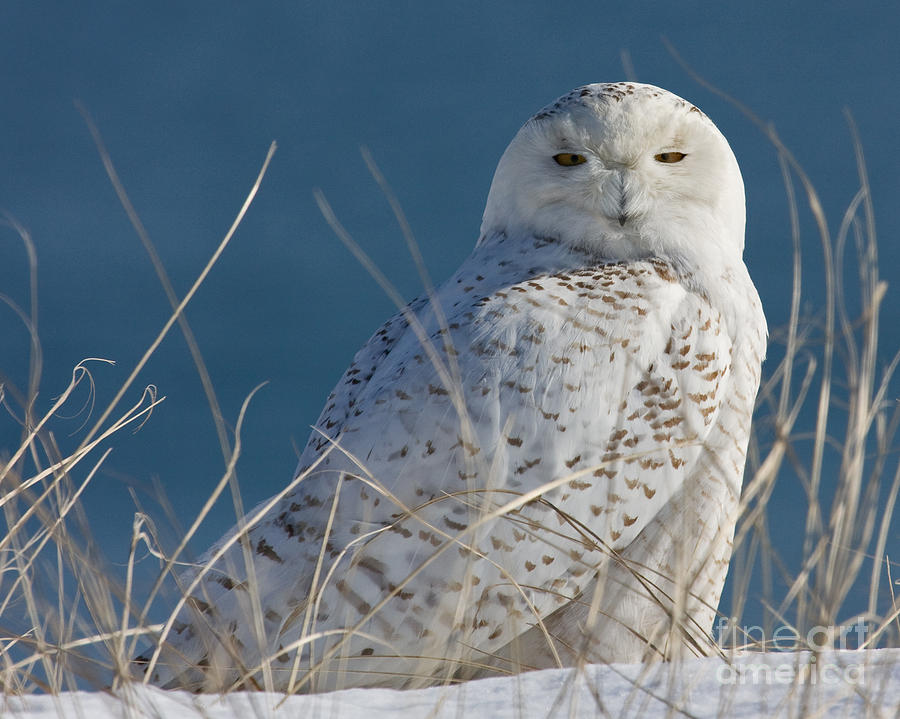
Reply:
x=669, y=157
x=569, y=159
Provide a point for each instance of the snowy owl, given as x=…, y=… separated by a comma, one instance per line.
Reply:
x=537, y=464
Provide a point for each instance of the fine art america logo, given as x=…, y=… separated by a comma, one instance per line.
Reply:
x=806, y=668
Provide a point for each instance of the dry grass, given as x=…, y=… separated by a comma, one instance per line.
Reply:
x=826, y=419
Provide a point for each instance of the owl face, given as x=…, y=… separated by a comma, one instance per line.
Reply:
x=624, y=170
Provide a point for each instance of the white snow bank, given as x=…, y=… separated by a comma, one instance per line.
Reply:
x=844, y=684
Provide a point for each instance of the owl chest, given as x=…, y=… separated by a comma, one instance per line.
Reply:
x=559, y=338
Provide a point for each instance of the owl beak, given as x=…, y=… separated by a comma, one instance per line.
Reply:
x=617, y=198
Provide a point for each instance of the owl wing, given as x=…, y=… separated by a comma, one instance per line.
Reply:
x=341, y=405
x=428, y=530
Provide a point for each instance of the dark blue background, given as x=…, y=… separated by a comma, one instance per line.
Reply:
x=189, y=95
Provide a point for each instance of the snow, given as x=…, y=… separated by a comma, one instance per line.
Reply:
x=844, y=684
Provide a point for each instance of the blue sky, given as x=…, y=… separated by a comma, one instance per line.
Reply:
x=188, y=97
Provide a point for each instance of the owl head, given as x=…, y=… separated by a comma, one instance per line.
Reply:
x=626, y=171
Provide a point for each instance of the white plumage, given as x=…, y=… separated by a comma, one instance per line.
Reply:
x=546, y=467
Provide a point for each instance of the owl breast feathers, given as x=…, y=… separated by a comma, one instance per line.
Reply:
x=539, y=463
